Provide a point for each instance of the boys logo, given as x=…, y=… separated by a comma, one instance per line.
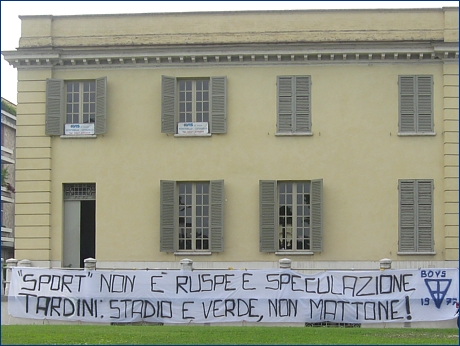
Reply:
x=438, y=288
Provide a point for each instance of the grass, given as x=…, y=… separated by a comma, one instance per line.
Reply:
x=221, y=335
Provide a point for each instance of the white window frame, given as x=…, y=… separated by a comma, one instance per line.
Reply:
x=194, y=101
x=293, y=217
x=193, y=205
x=81, y=102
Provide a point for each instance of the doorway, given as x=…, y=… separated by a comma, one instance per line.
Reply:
x=79, y=236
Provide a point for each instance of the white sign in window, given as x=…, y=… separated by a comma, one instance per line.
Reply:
x=199, y=128
x=79, y=129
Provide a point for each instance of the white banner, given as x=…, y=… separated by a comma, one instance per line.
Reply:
x=205, y=296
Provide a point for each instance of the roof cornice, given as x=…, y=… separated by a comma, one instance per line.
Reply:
x=233, y=54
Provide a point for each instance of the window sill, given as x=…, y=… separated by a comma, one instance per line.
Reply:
x=416, y=253
x=205, y=135
x=78, y=136
x=282, y=134
x=294, y=253
x=411, y=134
x=192, y=253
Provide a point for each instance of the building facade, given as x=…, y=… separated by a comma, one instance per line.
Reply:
x=8, y=170
x=238, y=138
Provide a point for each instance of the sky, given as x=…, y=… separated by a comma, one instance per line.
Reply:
x=11, y=10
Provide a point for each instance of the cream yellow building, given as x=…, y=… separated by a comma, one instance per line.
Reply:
x=236, y=139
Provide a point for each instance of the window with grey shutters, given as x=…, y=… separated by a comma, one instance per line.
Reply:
x=294, y=105
x=75, y=103
x=190, y=103
x=191, y=216
x=416, y=104
x=416, y=216
x=291, y=216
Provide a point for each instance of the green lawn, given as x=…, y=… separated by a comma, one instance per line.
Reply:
x=173, y=335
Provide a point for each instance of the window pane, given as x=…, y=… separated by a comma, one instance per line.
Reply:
x=282, y=187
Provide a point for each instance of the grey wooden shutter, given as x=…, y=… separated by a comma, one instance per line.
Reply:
x=168, y=215
x=268, y=215
x=101, y=106
x=302, y=112
x=407, y=106
x=218, y=104
x=168, y=104
x=425, y=215
x=424, y=104
x=217, y=215
x=54, y=107
x=317, y=215
x=285, y=104
x=407, y=216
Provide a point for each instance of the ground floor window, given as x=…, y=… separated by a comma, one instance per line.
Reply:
x=192, y=216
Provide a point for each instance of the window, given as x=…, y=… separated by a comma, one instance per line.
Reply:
x=75, y=107
x=81, y=102
x=194, y=106
x=416, y=216
x=291, y=216
x=294, y=105
x=191, y=216
x=416, y=105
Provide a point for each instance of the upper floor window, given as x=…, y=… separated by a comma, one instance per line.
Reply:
x=291, y=216
x=416, y=105
x=81, y=102
x=194, y=106
x=76, y=107
x=294, y=105
x=416, y=216
x=191, y=216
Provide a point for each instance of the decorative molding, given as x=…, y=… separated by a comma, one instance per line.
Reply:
x=234, y=55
